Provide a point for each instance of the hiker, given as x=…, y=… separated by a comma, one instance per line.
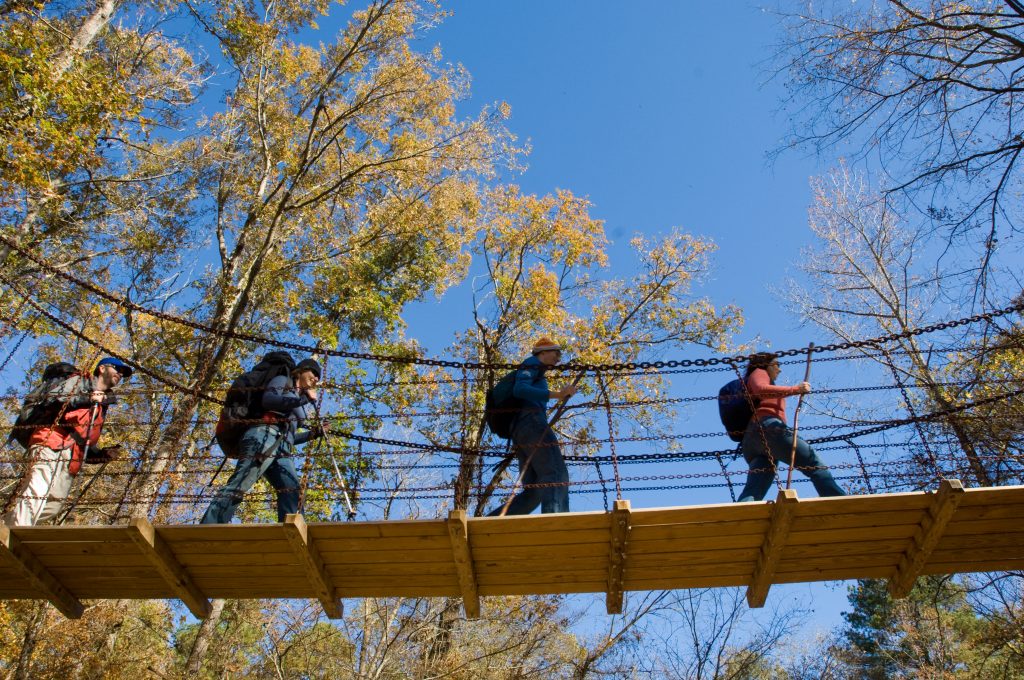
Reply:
x=75, y=407
x=266, y=448
x=768, y=424
x=536, y=447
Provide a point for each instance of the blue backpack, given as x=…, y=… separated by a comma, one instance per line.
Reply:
x=734, y=408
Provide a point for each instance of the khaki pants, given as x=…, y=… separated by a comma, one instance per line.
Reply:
x=48, y=487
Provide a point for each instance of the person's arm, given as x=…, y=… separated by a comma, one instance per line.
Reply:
x=280, y=397
x=760, y=386
x=75, y=393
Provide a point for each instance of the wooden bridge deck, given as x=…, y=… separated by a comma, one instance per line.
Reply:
x=892, y=536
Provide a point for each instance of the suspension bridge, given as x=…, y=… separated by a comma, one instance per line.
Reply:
x=891, y=536
x=894, y=536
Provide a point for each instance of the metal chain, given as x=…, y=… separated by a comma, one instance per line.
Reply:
x=405, y=360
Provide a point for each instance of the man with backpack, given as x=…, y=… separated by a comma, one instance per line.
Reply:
x=536, y=447
x=60, y=425
x=280, y=395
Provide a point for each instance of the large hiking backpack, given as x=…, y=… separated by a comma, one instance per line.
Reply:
x=734, y=408
x=244, y=402
x=501, y=407
x=40, y=407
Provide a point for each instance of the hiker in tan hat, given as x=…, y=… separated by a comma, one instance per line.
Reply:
x=536, y=447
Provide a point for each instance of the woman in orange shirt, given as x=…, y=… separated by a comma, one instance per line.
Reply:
x=769, y=426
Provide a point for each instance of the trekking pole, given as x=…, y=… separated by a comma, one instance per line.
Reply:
x=796, y=415
x=559, y=410
x=334, y=462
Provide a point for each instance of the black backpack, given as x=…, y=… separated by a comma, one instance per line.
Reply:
x=501, y=408
x=734, y=408
x=41, y=407
x=244, y=402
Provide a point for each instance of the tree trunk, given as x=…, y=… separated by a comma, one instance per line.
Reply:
x=28, y=642
x=203, y=639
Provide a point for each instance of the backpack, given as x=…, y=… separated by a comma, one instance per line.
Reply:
x=500, y=407
x=40, y=407
x=244, y=401
x=734, y=408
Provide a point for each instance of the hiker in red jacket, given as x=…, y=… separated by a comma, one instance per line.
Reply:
x=56, y=451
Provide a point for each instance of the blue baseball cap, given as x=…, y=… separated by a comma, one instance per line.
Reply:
x=124, y=369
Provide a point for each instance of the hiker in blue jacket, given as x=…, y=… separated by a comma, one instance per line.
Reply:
x=536, y=447
x=267, y=448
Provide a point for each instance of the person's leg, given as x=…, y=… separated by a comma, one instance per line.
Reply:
x=256, y=457
x=528, y=437
x=281, y=474
x=550, y=468
x=60, y=487
x=761, y=469
x=759, y=479
x=42, y=475
x=812, y=466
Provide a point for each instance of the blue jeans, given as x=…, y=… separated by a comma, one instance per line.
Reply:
x=531, y=434
x=780, y=443
x=261, y=455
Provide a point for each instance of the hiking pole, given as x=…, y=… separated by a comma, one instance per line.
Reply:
x=796, y=415
x=334, y=462
x=559, y=410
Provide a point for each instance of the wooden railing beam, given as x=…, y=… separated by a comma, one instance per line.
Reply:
x=15, y=552
x=772, y=547
x=458, y=532
x=297, y=533
x=618, y=542
x=927, y=537
x=145, y=536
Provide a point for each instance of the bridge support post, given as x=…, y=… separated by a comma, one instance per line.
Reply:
x=619, y=538
x=928, y=535
x=458, y=532
x=144, y=535
x=38, y=575
x=297, y=533
x=771, y=549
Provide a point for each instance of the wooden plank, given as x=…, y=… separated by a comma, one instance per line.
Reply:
x=539, y=564
x=833, y=575
x=682, y=544
x=701, y=514
x=771, y=549
x=541, y=538
x=993, y=496
x=94, y=562
x=543, y=589
x=830, y=537
x=309, y=557
x=327, y=531
x=852, y=520
x=575, y=521
x=684, y=532
x=967, y=543
x=211, y=533
x=890, y=502
x=827, y=562
x=45, y=584
x=185, y=548
x=986, y=554
x=600, y=574
x=1011, y=564
x=70, y=534
x=701, y=570
x=155, y=549
x=943, y=507
x=463, y=556
x=989, y=512
x=679, y=582
x=385, y=556
x=685, y=559
x=553, y=553
x=983, y=526
x=104, y=550
x=617, y=545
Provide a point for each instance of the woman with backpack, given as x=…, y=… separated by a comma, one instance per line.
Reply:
x=768, y=426
x=284, y=392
